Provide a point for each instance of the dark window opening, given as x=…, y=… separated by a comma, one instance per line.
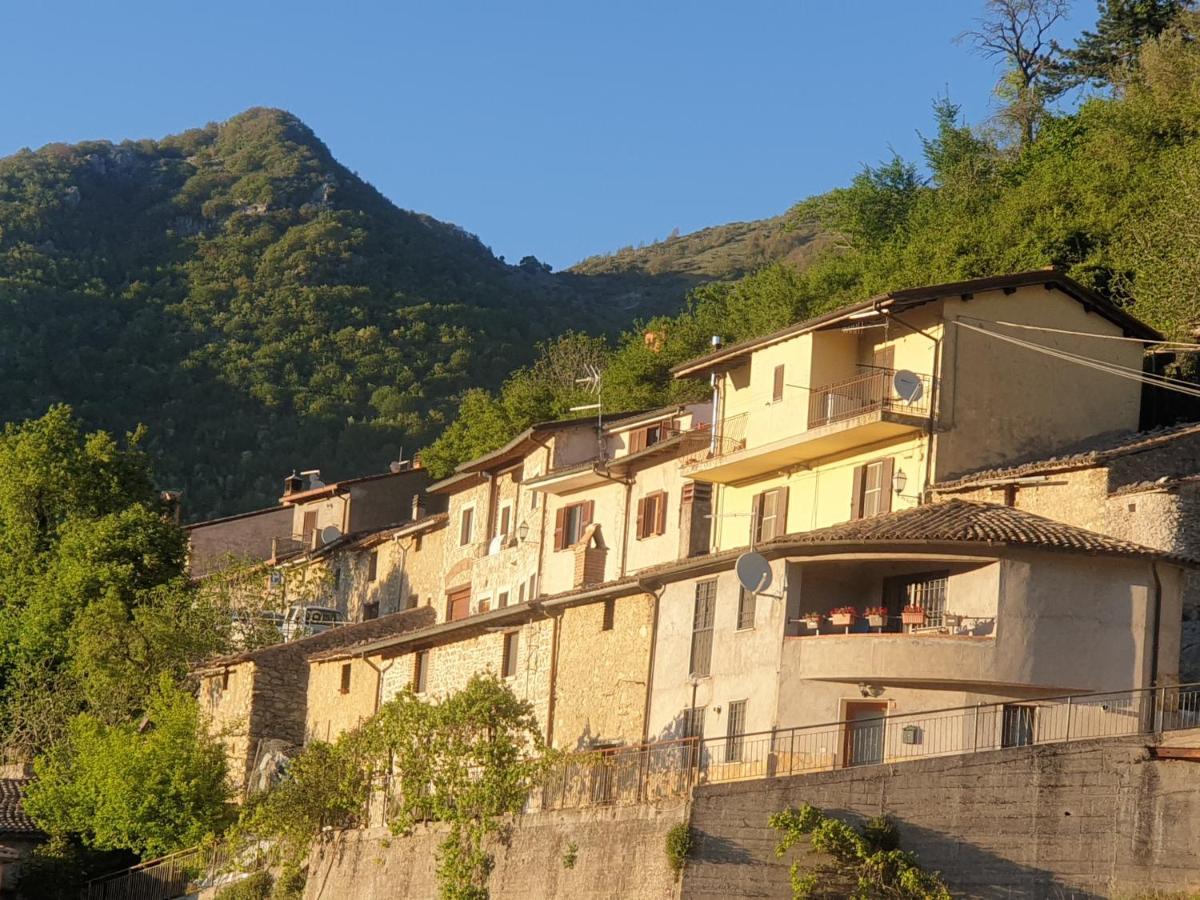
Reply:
x=346, y=678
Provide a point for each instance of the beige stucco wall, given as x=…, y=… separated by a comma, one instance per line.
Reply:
x=600, y=693
x=1000, y=402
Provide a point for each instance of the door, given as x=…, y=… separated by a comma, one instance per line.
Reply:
x=863, y=743
x=458, y=604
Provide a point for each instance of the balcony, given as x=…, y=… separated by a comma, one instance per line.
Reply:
x=840, y=416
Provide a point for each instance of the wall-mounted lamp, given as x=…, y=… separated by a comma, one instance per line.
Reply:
x=899, y=481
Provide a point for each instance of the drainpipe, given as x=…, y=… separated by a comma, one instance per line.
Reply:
x=933, y=392
x=550, y=705
x=1157, y=623
x=378, y=679
x=716, y=400
x=625, y=529
x=650, y=666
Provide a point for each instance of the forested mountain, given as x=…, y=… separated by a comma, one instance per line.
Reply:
x=259, y=306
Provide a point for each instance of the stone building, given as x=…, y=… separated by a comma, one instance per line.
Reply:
x=253, y=537
x=19, y=836
x=1136, y=486
x=256, y=700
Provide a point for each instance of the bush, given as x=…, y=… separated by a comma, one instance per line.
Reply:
x=253, y=887
x=679, y=846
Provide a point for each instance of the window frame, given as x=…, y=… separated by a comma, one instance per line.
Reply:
x=777, y=384
x=859, y=487
x=651, y=515
x=346, y=675
x=372, y=565
x=420, y=681
x=466, y=526
x=510, y=654
x=704, y=616
x=585, y=510
x=777, y=499
x=747, y=605
x=735, y=736
x=608, y=615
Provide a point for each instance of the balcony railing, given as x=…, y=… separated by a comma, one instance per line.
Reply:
x=868, y=393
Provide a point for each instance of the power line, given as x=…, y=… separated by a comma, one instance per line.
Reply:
x=1162, y=381
x=1089, y=334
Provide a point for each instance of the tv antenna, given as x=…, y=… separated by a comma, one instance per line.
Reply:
x=591, y=384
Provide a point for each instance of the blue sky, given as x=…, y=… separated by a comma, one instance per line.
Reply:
x=560, y=129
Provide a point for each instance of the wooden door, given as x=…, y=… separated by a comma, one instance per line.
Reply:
x=862, y=744
x=458, y=604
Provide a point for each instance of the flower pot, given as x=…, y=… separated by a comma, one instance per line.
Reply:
x=876, y=621
x=841, y=620
x=913, y=617
x=814, y=623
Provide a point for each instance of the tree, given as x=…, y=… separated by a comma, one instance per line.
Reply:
x=1018, y=33
x=1099, y=56
x=151, y=788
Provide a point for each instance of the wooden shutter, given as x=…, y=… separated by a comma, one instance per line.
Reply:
x=856, y=492
x=885, y=484
x=637, y=440
x=585, y=515
x=641, y=518
x=885, y=357
x=777, y=391
x=660, y=517
x=781, y=500
x=756, y=517
x=560, y=528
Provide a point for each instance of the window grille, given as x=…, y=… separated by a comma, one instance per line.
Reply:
x=702, y=628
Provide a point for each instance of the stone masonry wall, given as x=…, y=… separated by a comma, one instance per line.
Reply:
x=1082, y=820
x=601, y=682
x=620, y=853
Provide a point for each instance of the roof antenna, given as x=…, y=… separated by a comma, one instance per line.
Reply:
x=591, y=383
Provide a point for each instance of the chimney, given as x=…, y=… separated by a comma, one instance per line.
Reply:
x=293, y=484
x=417, y=509
x=173, y=501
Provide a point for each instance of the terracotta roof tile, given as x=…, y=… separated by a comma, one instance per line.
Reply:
x=13, y=818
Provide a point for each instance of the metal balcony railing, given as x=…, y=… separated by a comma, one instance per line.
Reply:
x=867, y=393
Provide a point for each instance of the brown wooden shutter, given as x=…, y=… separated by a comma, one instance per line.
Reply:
x=777, y=393
x=660, y=527
x=885, y=357
x=885, y=484
x=585, y=516
x=856, y=492
x=560, y=520
x=781, y=499
x=637, y=440
x=641, y=518
x=755, y=517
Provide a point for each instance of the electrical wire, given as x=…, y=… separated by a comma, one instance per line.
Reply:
x=1106, y=337
x=1162, y=381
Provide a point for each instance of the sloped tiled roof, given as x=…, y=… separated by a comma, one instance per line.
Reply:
x=1095, y=452
x=13, y=818
x=962, y=521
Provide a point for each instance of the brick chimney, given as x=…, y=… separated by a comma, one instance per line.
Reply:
x=590, y=555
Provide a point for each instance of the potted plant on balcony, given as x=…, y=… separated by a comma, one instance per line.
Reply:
x=843, y=617
x=913, y=615
x=877, y=616
x=813, y=620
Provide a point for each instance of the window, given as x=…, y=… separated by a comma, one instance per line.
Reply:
x=373, y=565
x=346, y=678
x=777, y=387
x=505, y=527
x=458, y=604
x=420, y=671
x=747, y=601
x=702, y=628
x=533, y=499
x=508, y=665
x=1017, y=726
x=647, y=437
x=466, y=526
x=652, y=515
x=610, y=610
x=309, y=526
x=371, y=610
x=485, y=603
x=735, y=728
x=926, y=590
x=502, y=600
x=533, y=586
x=570, y=522
x=872, y=489
x=693, y=727
x=521, y=593
x=769, y=515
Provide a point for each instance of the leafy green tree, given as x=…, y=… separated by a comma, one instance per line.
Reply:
x=1123, y=26
x=151, y=788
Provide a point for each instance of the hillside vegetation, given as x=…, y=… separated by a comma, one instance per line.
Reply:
x=258, y=305
x=1107, y=189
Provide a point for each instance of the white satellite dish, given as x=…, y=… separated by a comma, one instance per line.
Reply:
x=908, y=385
x=329, y=534
x=753, y=572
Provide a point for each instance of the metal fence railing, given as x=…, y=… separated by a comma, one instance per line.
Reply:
x=655, y=771
x=868, y=393
x=160, y=879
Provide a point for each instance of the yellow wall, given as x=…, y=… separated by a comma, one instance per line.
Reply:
x=330, y=712
x=818, y=497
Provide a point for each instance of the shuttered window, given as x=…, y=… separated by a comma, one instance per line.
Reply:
x=769, y=514
x=652, y=515
x=508, y=667
x=505, y=520
x=420, y=671
x=610, y=609
x=345, y=678
x=502, y=600
x=458, y=604
x=310, y=525
x=871, y=491
x=466, y=526
x=702, y=628
x=747, y=601
x=735, y=728
x=777, y=387
x=570, y=523
x=373, y=565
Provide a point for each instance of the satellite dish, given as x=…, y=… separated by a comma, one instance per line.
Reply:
x=329, y=534
x=753, y=572
x=908, y=385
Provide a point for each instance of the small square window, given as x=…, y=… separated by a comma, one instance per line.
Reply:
x=508, y=666
x=346, y=678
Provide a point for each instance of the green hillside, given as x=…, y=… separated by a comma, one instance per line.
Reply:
x=258, y=305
